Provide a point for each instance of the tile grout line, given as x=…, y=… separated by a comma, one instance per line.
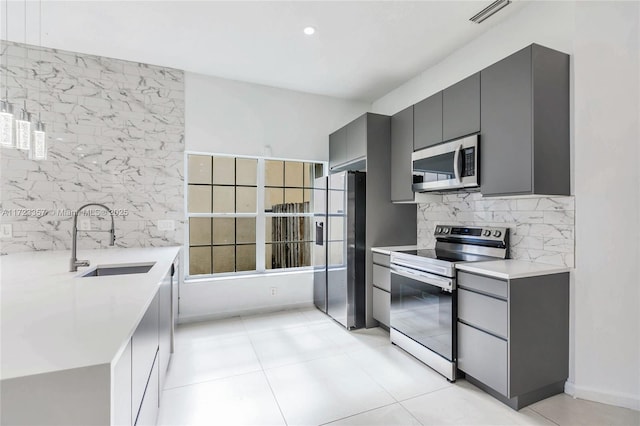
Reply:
x=543, y=416
x=266, y=378
x=212, y=380
x=357, y=414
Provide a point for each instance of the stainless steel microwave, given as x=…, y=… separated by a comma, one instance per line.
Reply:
x=451, y=165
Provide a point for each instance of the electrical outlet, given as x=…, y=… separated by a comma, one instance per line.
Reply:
x=84, y=224
x=6, y=230
x=166, y=225
x=274, y=290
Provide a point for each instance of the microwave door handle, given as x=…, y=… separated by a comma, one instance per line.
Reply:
x=456, y=163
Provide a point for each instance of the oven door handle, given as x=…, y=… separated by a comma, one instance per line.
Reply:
x=444, y=283
x=456, y=163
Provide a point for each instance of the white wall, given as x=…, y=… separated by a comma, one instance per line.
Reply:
x=232, y=296
x=607, y=182
x=230, y=117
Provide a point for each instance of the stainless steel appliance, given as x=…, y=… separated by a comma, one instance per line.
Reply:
x=423, y=291
x=450, y=165
x=339, y=247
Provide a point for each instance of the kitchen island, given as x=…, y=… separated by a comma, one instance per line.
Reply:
x=72, y=345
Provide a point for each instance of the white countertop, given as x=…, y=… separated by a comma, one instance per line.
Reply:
x=511, y=269
x=53, y=320
x=388, y=250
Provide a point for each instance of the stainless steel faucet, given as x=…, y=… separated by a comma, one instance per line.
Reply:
x=74, y=237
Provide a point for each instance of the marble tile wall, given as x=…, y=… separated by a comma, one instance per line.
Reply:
x=116, y=136
x=541, y=228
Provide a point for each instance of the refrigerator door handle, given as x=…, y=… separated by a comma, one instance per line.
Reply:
x=319, y=233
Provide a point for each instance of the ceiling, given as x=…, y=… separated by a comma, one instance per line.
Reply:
x=361, y=49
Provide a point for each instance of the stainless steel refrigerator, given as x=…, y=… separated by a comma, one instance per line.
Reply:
x=339, y=247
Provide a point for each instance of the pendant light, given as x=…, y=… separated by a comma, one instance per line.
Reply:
x=6, y=123
x=23, y=129
x=6, y=109
x=39, y=139
x=23, y=121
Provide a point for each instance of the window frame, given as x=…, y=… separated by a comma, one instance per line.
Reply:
x=260, y=215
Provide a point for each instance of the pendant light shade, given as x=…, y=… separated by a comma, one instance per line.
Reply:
x=23, y=129
x=39, y=142
x=6, y=124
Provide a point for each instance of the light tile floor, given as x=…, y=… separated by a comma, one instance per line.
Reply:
x=299, y=367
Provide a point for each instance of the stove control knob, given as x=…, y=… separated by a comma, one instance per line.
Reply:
x=497, y=234
x=487, y=233
x=438, y=230
x=445, y=230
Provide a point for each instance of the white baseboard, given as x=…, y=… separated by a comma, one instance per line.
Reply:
x=612, y=398
x=245, y=312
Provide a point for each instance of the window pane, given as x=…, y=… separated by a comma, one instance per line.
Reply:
x=287, y=228
x=199, y=260
x=246, y=171
x=224, y=170
x=199, y=199
x=199, y=231
x=223, y=199
x=246, y=257
x=287, y=255
x=199, y=169
x=272, y=197
x=308, y=175
x=246, y=200
x=294, y=196
x=224, y=230
x=224, y=259
x=273, y=173
x=293, y=174
x=246, y=230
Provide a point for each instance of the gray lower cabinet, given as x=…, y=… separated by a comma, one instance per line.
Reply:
x=144, y=347
x=148, y=414
x=524, y=142
x=381, y=288
x=165, y=324
x=401, y=150
x=427, y=122
x=513, y=336
x=461, y=108
x=121, y=389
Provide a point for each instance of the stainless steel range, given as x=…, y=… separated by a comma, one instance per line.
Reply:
x=423, y=291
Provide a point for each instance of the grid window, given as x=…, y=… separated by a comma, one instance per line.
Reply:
x=228, y=232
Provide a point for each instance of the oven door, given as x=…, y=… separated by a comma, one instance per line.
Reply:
x=450, y=165
x=423, y=308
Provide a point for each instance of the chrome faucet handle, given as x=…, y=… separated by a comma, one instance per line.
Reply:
x=83, y=263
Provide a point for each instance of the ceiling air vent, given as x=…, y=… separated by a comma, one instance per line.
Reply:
x=489, y=10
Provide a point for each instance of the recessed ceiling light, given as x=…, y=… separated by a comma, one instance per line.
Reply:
x=309, y=30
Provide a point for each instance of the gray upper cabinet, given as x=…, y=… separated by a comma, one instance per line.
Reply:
x=357, y=138
x=525, y=124
x=427, y=123
x=461, y=108
x=401, y=149
x=338, y=147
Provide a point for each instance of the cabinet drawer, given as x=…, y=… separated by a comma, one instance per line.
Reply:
x=381, y=305
x=382, y=277
x=483, y=356
x=484, y=312
x=483, y=284
x=381, y=259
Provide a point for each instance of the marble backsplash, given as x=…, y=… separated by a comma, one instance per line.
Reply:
x=541, y=228
x=116, y=136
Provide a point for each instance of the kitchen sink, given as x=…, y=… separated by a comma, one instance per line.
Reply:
x=122, y=269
